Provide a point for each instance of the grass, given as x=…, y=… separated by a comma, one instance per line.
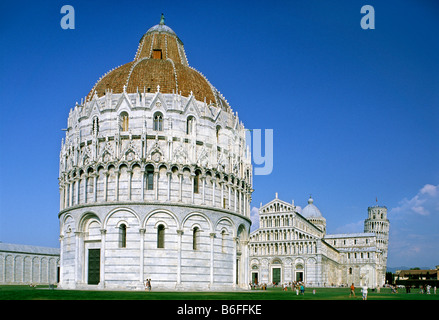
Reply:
x=44, y=293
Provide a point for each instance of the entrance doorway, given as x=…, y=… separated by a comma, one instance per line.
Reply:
x=275, y=275
x=94, y=266
x=255, y=276
x=299, y=276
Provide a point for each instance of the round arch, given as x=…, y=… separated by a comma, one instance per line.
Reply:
x=155, y=211
x=192, y=214
x=85, y=219
x=114, y=211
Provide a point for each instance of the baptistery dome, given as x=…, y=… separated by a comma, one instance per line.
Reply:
x=160, y=60
x=155, y=178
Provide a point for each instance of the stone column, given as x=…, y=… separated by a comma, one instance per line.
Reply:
x=71, y=193
x=222, y=204
x=245, y=261
x=130, y=177
x=102, y=264
x=180, y=175
x=192, y=188
x=229, y=186
x=213, y=191
x=79, y=251
x=239, y=199
x=142, y=192
x=203, y=179
x=61, y=198
x=85, y=187
x=130, y=180
x=95, y=186
x=156, y=184
x=179, y=236
x=116, y=191
x=142, y=256
x=234, y=262
x=106, y=174
x=234, y=193
x=66, y=195
x=77, y=184
x=169, y=173
x=61, y=258
x=212, y=239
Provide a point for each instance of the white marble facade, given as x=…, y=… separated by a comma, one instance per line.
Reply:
x=154, y=185
x=290, y=246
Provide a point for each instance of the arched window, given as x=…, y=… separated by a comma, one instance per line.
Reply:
x=195, y=236
x=197, y=182
x=122, y=236
x=150, y=178
x=124, y=121
x=190, y=125
x=161, y=236
x=158, y=121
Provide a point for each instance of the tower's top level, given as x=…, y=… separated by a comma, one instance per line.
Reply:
x=160, y=60
x=377, y=212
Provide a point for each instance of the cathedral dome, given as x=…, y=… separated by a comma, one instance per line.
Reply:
x=311, y=211
x=160, y=64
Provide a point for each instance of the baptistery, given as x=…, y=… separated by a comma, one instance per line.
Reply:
x=155, y=178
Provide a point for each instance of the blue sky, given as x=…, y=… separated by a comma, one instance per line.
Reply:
x=354, y=112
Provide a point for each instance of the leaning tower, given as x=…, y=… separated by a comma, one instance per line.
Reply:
x=378, y=223
x=155, y=178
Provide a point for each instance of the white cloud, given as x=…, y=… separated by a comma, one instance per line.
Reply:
x=424, y=203
x=430, y=190
x=414, y=229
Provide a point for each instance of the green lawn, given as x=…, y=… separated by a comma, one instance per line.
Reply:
x=44, y=293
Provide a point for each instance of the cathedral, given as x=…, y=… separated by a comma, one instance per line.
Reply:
x=155, y=185
x=292, y=247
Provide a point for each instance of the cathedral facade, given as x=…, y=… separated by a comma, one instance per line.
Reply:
x=155, y=178
x=293, y=247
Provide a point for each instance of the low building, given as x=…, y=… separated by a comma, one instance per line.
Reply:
x=417, y=274
x=25, y=264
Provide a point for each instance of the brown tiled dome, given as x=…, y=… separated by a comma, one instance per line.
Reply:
x=160, y=60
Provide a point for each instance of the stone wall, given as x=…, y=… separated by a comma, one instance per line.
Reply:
x=24, y=264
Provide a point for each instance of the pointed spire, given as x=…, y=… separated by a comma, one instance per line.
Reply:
x=162, y=19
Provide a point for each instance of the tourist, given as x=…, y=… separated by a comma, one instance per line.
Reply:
x=352, y=290
x=148, y=285
x=364, y=291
